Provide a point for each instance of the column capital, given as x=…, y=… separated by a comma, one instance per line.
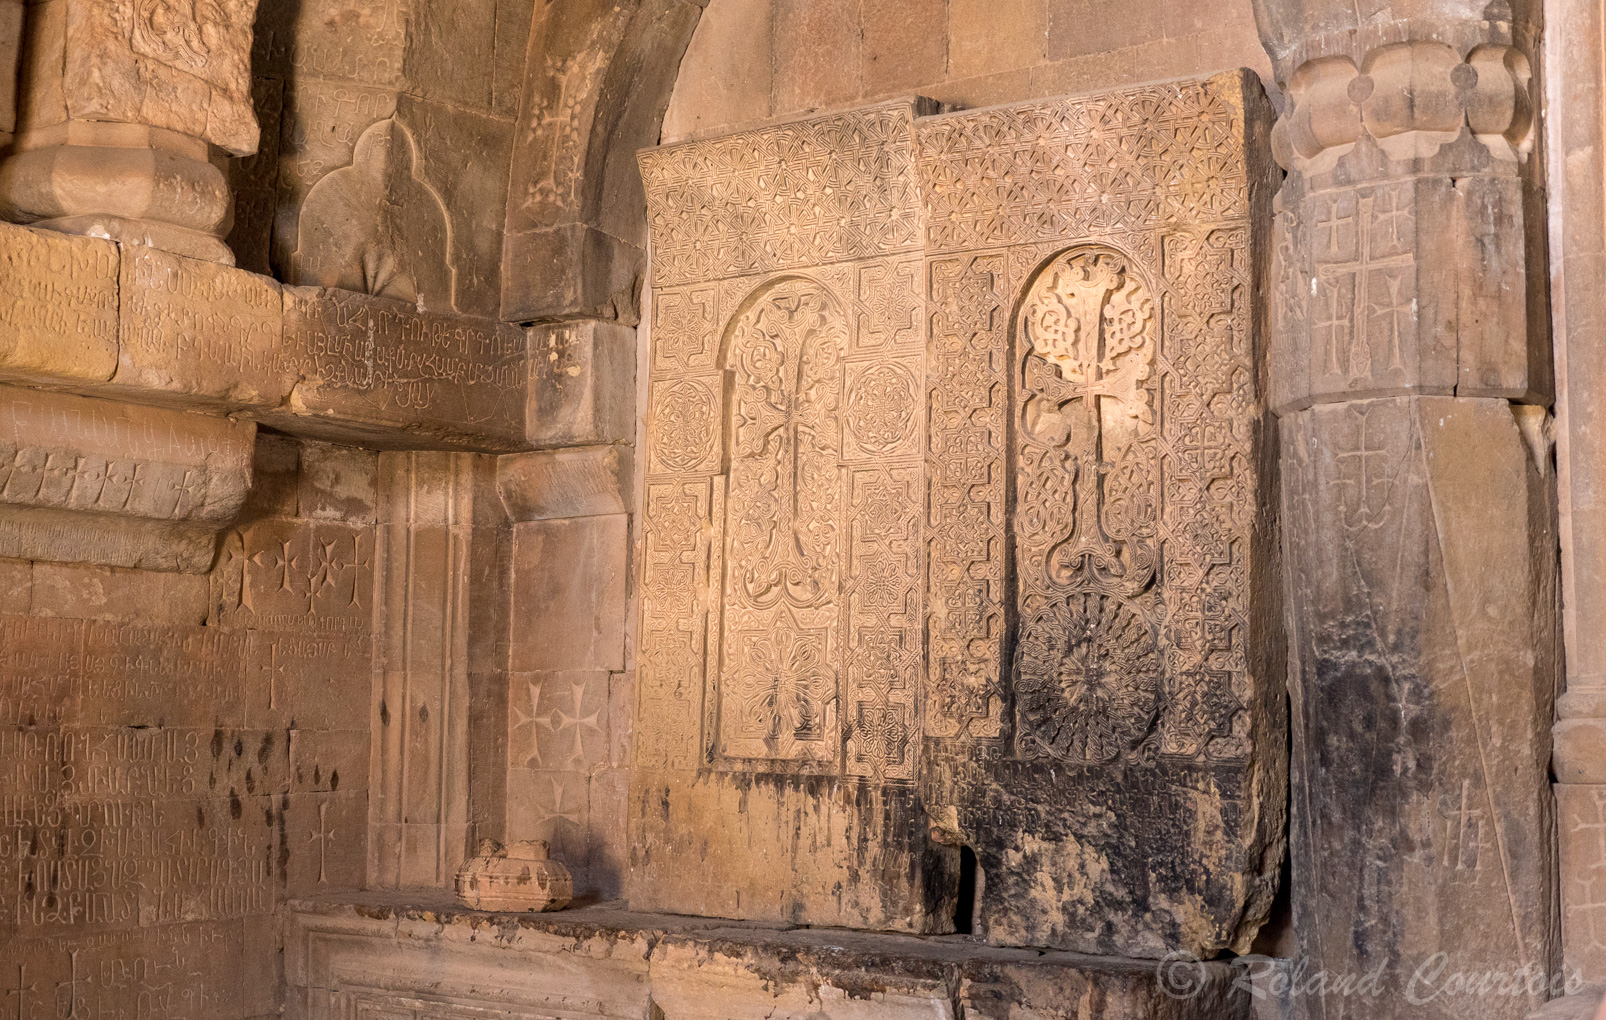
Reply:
x=1414, y=78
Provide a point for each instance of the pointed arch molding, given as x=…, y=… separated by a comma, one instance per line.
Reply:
x=598, y=78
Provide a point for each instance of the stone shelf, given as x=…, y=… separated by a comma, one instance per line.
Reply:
x=140, y=325
x=418, y=950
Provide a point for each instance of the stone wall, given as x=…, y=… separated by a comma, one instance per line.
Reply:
x=754, y=60
x=387, y=130
x=182, y=752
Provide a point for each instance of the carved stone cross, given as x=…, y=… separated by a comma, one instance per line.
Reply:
x=1091, y=319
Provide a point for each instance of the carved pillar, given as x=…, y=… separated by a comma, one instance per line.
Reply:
x=127, y=107
x=1410, y=372
x=1575, y=77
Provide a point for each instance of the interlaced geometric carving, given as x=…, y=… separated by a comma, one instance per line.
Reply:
x=819, y=191
x=783, y=546
x=982, y=529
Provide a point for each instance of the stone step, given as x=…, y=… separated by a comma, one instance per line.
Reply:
x=380, y=951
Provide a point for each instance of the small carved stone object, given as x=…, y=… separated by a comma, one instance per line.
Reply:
x=520, y=876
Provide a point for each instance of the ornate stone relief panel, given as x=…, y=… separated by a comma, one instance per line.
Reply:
x=1102, y=705
x=968, y=506
x=781, y=629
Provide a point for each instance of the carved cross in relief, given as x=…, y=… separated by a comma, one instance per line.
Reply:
x=322, y=837
x=72, y=987
x=22, y=989
x=1362, y=261
x=1092, y=320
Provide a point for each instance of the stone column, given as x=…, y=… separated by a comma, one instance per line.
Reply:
x=127, y=108
x=1575, y=82
x=1410, y=372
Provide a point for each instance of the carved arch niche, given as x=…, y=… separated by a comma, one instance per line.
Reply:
x=1088, y=667
x=778, y=691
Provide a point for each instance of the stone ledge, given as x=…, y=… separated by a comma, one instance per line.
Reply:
x=100, y=481
x=149, y=327
x=402, y=950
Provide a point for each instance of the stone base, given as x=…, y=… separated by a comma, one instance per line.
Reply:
x=184, y=241
x=1586, y=1005
x=417, y=954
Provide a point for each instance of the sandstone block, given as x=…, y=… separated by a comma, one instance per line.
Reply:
x=569, y=593
x=113, y=593
x=582, y=386
x=558, y=721
x=324, y=840
x=1396, y=287
x=584, y=482
x=199, y=333
x=338, y=483
x=95, y=481
x=567, y=272
x=58, y=305
x=372, y=369
x=190, y=971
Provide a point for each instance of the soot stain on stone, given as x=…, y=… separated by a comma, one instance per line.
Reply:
x=384, y=713
x=235, y=807
x=334, y=780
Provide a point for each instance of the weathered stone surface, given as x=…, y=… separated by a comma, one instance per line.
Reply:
x=1396, y=286
x=402, y=253
x=10, y=60
x=582, y=385
x=58, y=305
x=1417, y=686
x=864, y=488
x=572, y=572
x=584, y=482
x=100, y=482
x=198, y=333
x=182, y=68
x=369, y=952
x=372, y=368
x=1585, y=1005
x=753, y=60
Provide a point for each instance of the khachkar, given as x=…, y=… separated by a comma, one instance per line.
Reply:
x=1410, y=372
x=957, y=525
x=780, y=640
x=1102, y=704
x=127, y=108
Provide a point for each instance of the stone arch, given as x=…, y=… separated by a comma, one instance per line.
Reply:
x=598, y=78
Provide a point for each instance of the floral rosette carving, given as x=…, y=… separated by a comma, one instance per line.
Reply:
x=1090, y=679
